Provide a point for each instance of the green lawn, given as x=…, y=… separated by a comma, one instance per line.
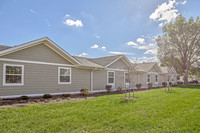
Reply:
x=153, y=111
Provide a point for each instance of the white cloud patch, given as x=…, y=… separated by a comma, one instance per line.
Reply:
x=83, y=54
x=67, y=15
x=32, y=11
x=151, y=52
x=131, y=43
x=144, y=59
x=140, y=40
x=183, y=2
x=116, y=52
x=103, y=48
x=95, y=46
x=166, y=12
x=76, y=23
x=98, y=37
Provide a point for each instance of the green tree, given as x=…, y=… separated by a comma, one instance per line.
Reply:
x=180, y=44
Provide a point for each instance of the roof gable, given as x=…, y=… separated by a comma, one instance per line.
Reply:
x=45, y=41
x=148, y=67
x=40, y=53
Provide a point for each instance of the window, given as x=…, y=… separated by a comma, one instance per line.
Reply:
x=127, y=77
x=148, y=78
x=111, y=77
x=13, y=74
x=168, y=79
x=156, y=78
x=64, y=75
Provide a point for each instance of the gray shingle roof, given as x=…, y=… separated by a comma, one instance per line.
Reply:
x=146, y=66
x=2, y=47
x=86, y=62
x=104, y=61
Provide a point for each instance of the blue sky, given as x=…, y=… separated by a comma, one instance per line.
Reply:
x=93, y=28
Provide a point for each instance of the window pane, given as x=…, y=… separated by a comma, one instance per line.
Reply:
x=13, y=79
x=13, y=70
x=64, y=78
x=111, y=74
x=9, y=70
x=64, y=71
x=110, y=80
x=17, y=70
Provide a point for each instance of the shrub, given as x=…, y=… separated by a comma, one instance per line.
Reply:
x=65, y=95
x=47, y=96
x=23, y=98
x=149, y=85
x=138, y=86
x=164, y=84
x=108, y=88
x=85, y=92
x=120, y=88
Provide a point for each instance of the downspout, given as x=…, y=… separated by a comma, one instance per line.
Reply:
x=92, y=79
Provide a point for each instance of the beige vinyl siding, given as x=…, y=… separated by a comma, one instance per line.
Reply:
x=118, y=64
x=40, y=52
x=99, y=80
x=153, y=69
x=44, y=79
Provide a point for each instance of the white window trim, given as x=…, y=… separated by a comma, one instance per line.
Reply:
x=59, y=75
x=108, y=77
x=4, y=75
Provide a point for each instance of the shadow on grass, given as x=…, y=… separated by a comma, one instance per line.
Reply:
x=191, y=86
x=125, y=101
x=171, y=91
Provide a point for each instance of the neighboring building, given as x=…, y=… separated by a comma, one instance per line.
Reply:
x=169, y=74
x=148, y=72
x=41, y=66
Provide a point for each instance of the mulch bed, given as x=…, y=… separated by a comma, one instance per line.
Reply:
x=16, y=102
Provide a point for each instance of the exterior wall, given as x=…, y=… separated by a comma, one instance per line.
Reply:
x=40, y=52
x=140, y=78
x=99, y=80
x=118, y=64
x=39, y=79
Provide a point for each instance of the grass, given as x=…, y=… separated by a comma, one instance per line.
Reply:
x=153, y=111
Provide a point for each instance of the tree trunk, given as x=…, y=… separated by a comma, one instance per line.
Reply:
x=185, y=76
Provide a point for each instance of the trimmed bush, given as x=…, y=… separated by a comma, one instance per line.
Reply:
x=66, y=95
x=85, y=92
x=149, y=85
x=23, y=98
x=47, y=96
x=138, y=86
x=164, y=84
x=108, y=88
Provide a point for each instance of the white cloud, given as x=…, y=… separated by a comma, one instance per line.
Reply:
x=83, y=54
x=103, y=48
x=151, y=52
x=144, y=59
x=116, y=52
x=146, y=47
x=95, y=46
x=130, y=43
x=67, y=15
x=166, y=12
x=183, y=2
x=32, y=11
x=76, y=23
x=140, y=40
x=98, y=37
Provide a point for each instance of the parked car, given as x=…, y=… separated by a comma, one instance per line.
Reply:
x=194, y=82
